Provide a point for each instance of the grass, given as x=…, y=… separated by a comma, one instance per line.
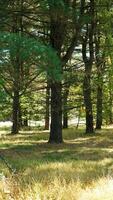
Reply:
x=79, y=169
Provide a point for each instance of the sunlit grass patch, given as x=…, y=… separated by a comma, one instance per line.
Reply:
x=100, y=190
x=57, y=189
x=73, y=170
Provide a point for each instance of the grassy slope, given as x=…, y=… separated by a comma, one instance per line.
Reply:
x=79, y=169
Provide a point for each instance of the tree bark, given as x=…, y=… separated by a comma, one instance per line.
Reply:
x=65, y=119
x=56, y=114
x=15, y=113
x=88, y=103
x=57, y=35
x=17, y=28
x=110, y=104
x=99, y=98
x=47, y=107
x=100, y=67
x=99, y=108
x=65, y=110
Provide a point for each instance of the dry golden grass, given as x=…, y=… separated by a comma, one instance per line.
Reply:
x=58, y=189
x=79, y=169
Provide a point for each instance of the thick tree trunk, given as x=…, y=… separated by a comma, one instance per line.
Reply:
x=88, y=103
x=47, y=107
x=15, y=113
x=56, y=113
x=57, y=34
x=58, y=26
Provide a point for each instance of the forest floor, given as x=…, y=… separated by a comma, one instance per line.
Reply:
x=79, y=169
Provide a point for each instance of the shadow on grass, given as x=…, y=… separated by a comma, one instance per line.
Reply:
x=46, y=162
x=23, y=156
x=85, y=157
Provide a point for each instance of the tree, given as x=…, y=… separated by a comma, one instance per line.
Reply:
x=61, y=13
x=34, y=56
x=88, y=58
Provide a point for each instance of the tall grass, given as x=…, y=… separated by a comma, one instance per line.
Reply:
x=56, y=189
x=79, y=169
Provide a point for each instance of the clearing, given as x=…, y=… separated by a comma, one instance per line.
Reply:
x=79, y=169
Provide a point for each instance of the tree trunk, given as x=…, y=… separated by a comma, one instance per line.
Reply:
x=99, y=95
x=88, y=103
x=47, y=107
x=99, y=108
x=65, y=111
x=58, y=30
x=88, y=48
x=79, y=115
x=20, y=116
x=56, y=113
x=25, y=122
x=110, y=105
x=65, y=119
x=100, y=67
x=57, y=33
x=15, y=116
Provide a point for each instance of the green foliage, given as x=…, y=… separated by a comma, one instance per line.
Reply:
x=32, y=106
x=56, y=4
x=30, y=51
x=5, y=105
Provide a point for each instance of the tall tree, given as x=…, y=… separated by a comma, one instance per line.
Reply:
x=59, y=27
x=88, y=58
x=100, y=65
